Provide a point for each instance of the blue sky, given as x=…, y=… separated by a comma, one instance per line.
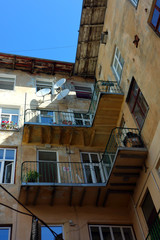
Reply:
x=40, y=28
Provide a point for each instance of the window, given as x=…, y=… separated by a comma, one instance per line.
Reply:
x=9, y=118
x=47, y=235
x=103, y=232
x=155, y=17
x=43, y=84
x=7, y=165
x=137, y=103
x=83, y=91
x=47, y=117
x=82, y=119
x=134, y=2
x=149, y=210
x=5, y=233
x=7, y=82
x=48, y=167
x=92, y=166
x=117, y=65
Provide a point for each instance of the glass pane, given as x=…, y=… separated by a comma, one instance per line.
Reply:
x=88, y=174
x=1, y=153
x=48, y=113
x=79, y=122
x=106, y=233
x=85, y=116
x=155, y=17
x=8, y=172
x=46, y=120
x=94, y=158
x=117, y=233
x=14, y=119
x=77, y=115
x=5, y=118
x=98, y=174
x=127, y=233
x=95, y=233
x=47, y=235
x=10, y=110
x=115, y=64
x=10, y=154
x=119, y=70
x=158, y=3
x=85, y=157
x=4, y=234
x=47, y=156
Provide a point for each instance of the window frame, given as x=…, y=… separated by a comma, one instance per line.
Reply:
x=134, y=3
x=116, y=58
x=9, y=115
x=82, y=93
x=3, y=167
x=9, y=228
x=111, y=231
x=54, y=225
x=8, y=78
x=44, y=83
x=81, y=118
x=155, y=29
x=135, y=99
x=53, y=116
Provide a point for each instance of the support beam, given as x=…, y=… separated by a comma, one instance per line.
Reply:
x=138, y=156
x=70, y=198
x=82, y=197
x=70, y=137
x=32, y=66
x=92, y=138
x=53, y=67
x=121, y=174
x=52, y=196
x=49, y=135
x=128, y=167
x=27, y=133
x=36, y=196
x=27, y=195
x=42, y=134
x=82, y=137
x=98, y=196
x=123, y=184
x=106, y=197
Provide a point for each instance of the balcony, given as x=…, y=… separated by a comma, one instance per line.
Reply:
x=79, y=129
x=85, y=182
x=154, y=231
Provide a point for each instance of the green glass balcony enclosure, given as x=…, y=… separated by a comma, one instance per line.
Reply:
x=154, y=231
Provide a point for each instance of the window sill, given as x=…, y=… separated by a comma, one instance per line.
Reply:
x=9, y=130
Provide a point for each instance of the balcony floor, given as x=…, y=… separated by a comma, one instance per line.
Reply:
x=97, y=135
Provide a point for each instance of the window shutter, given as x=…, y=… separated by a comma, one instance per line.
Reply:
x=130, y=89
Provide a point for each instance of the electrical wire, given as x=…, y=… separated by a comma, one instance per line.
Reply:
x=31, y=214
x=40, y=49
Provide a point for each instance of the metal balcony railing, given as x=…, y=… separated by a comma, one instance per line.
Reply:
x=154, y=231
x=62, y=173
x=62, y=118
x=72, y=173
x=120, y=138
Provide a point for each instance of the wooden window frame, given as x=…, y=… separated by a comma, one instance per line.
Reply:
x=136, y=102
x=155, y=29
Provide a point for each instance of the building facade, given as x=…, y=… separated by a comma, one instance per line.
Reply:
x=85, y=161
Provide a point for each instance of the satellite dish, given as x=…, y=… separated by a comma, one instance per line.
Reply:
x=43, y=92
x=59, y=83
x=62, y=94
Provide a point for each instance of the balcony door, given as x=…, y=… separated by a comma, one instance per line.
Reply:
x=48, y=167
x=92, y=168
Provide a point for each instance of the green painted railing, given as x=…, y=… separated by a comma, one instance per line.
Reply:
x=49, y=172
x=62, y=118
x=154, y=231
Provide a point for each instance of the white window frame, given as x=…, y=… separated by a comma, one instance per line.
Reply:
x=8, y=78
x=9, y=115
x=57, y=160
x=9, y=232
x=91, y=167
x=53, y=117
x=117, y=64
x=134, y=3
x=58, y=225
x=89, y=120
x=111, y=231
x=2, y=169
x=45, y=83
